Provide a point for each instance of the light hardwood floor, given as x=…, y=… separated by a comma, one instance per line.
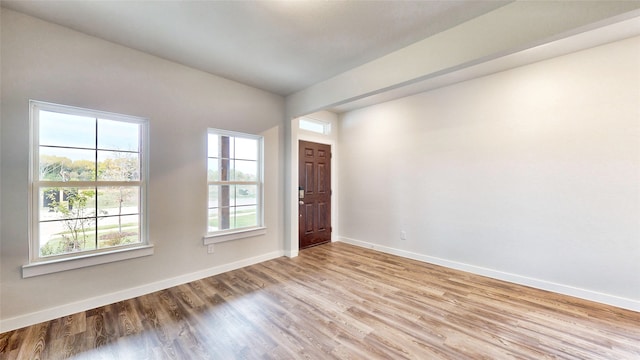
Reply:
x=338, y=301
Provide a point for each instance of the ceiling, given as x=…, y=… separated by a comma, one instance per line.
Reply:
x=278, y=46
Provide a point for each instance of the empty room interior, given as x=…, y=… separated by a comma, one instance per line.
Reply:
x=320, y=179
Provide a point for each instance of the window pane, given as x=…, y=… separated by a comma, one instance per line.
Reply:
x=226, y=195
x=213, y=219
x=118, y=135
x=232, y=195
x=118, y=166
x=74, y=205
x=231, y=214
x=51, y=238
x=212, y=145
x=246, y=216
x=213, y=172
x=222, y=218
x=66, y=130
x=245, y=170
x=246, y=195
x=118, y=200
x=213, y=196
x=64, y=236
x=246, y=149
x=118, y=230
x=60, y=164
x=225, y=169
x=227, y=152
x=315, y=126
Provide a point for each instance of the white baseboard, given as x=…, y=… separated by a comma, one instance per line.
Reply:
x=612, y=300
x=91, y=303
x=291, y=253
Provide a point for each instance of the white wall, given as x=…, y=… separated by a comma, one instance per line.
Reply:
x=46, y=62
x=478, y=40
x=530, y=175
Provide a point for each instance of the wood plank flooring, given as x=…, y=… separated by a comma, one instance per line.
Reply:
x=338, y=301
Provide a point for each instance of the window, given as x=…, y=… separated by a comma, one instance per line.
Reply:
x=88, y=178
x=314, y=125
x=235, y=182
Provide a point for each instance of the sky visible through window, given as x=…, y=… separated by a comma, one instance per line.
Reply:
x=72, y=131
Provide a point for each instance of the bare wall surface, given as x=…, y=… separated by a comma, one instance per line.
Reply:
x=46, y=62
x=533, y=171
x=508, y=29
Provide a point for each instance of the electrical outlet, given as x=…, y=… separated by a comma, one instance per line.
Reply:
x=403, y=235
x=210, y=249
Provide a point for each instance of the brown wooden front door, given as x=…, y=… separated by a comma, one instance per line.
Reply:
x=314, y=195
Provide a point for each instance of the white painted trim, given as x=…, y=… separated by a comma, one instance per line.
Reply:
x=80, y=261
x=218, y=238
x=91, y=303
x=625, y=303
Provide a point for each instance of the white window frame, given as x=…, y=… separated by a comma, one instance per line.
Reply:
x=39, y=265
x=213, y=237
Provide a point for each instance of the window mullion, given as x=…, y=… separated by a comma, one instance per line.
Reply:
x=96, y=218
x=234, y=182
x=96, y=189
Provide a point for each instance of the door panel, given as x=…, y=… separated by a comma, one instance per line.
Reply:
x=308, y=219
x=309, y=184
x=322, y=173
x=315, y=181
x=322, y=216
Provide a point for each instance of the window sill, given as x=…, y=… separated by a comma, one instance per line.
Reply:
x=53, y=266
x=235, y=235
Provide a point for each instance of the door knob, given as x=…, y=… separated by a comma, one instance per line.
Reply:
x=301, y=202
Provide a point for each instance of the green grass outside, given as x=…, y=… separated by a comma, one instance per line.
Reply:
x=242, y=220
x=55, y=246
